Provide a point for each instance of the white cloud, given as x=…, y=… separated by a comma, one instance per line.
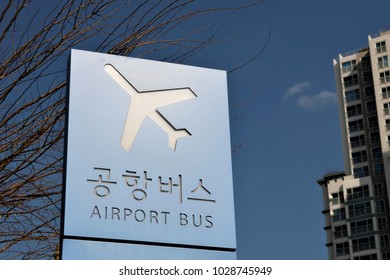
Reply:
x=314, y=102
x=297, y=88
x=310, y=101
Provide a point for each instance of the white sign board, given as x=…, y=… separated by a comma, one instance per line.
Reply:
x=148, y=153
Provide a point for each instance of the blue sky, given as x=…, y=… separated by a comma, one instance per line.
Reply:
x=288, y=132
x=284, y=114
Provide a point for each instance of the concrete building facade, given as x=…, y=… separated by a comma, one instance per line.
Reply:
x=356, y=201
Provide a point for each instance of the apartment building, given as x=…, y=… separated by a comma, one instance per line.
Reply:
x=356, y=201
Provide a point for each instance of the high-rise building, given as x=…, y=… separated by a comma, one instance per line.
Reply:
x=356, y=201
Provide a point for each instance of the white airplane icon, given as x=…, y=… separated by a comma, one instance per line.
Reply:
x=145, y=104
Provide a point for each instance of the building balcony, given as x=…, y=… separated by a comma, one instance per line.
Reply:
x=383, y=64
x=365, y=229
x=357, y=128
x=369, y=245
x=381, y=49
x=348, y=84
x=348, y=68
x=360, y=212
x=384, y=80
x=386, y=95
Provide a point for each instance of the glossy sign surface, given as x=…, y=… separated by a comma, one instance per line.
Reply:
x=148, y=153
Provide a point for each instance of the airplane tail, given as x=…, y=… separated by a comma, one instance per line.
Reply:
x=179, y=133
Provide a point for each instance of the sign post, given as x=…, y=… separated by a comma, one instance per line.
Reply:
x=148, y=164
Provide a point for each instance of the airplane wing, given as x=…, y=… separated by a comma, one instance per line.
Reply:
x=134, y=119
x=118, y=77
x=171, y=96
x=159, y=98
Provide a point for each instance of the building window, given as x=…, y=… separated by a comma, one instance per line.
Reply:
x=383, y=62
x=380, y=206
x=374, y=137
x=363, y=226
x=385, y=241
x=376, y=153
x=361, y=172
x=388, y=124
x=348, y=66
x=380, y=47
x=358, y=193
x=378, y=169
x=369, y=91
x=357, y=141
x=386, y=108
x=360, y=156
x=339, y=215
x=386, y=256
x=366, y=257
x=359, y=209
x=354, y=110
x=366, y=62
x=355, y=126
x=378, y=189
x=352, y=95
x=337, y=198
x=340, y=232
x=384, y=77
x=372, y=122
x=367, y=77
x=362, y=244
x=371, y=106
x=386, y=92
x=382, y=223
x=342, y=249
x=351, y=80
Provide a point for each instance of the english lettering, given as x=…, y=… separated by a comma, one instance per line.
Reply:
x=149, y=216
x=126, y=214
x=209, y=222
x=95, y=211
x=196, y=220
x=140, y=217
x=183, y=219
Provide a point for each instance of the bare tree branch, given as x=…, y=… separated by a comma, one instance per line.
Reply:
x=34, y=45
x=257, y=55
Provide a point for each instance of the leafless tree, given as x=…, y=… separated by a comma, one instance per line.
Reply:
x=34, y=44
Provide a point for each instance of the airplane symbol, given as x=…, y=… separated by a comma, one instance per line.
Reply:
x=146, y=103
